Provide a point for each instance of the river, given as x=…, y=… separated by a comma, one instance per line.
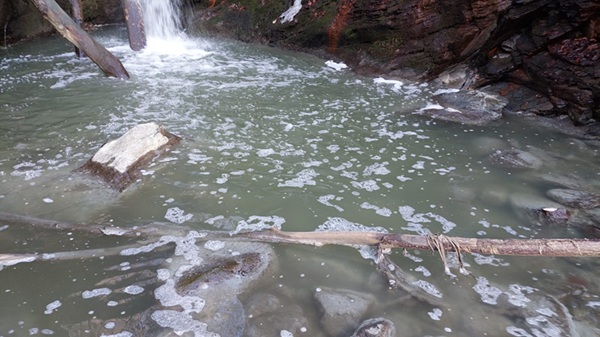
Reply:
x=279, y=138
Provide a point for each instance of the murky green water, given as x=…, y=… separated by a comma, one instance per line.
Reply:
x=278, y=138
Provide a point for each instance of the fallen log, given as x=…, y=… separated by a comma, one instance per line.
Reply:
x=134, y=17
x=516, y=247
x=108, y=63
x=384, y=241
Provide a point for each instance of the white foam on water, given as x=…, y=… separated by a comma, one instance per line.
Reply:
x=408, y=214
x=181, y=322
x=325, y=200
x=435, y=314
x=423, y=270
x=367, y=185
x=428, y=287
x=383, y=211
x=258, y=223
x=95, y=293
x=341, y=224
x=265, y=152
x=377, y=169
x=489, y=260
x=593, y=304
x=119, y=334
x=336, y=65
x=518, y=332
x=303, y=178
x=285, y=333
x=177, y=215
x=51, y=307
x=133, y=290
x=488, y=293
x=517, y=294
x=214, y=245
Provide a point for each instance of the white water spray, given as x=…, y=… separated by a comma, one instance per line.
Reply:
x=163, y=19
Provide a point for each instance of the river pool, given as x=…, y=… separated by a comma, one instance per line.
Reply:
x=278, y=138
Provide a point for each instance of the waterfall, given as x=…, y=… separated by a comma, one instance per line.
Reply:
x=163, y=18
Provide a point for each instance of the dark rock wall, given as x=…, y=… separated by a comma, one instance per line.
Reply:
x=544, y=53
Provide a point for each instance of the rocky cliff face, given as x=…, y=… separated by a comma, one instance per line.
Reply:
x=542, y=54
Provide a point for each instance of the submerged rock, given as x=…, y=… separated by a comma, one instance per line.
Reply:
x=375, y=327
x=470, y=107
x=515, y=158
x=119, y=161
x=574, y=198
x=270, y=316
x=539, y=209
x=342, y=309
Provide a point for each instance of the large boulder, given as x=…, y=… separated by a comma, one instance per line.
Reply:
x=119, y=161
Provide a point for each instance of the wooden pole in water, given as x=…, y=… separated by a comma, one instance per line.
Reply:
x=134, y=17
x=108, y=63
x=77, y=14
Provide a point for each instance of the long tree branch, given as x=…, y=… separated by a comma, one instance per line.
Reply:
x=518, y=247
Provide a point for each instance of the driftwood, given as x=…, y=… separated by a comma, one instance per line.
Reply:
x=108, y=63
x=519, y=247
x=383, y=241
x=134, y=17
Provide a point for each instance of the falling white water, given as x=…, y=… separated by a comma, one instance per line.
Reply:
x=162, y=19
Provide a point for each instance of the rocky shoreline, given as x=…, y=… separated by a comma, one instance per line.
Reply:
x=541, y=57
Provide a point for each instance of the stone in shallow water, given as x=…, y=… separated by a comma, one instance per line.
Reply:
x=375, y=327
x=342, y=309
x=515, y=158
x=470, y=107
x=269, y=315
x=119, y=161
x=574, y=198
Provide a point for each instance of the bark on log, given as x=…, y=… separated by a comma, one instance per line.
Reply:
x=108, y=63
x=77, y=14
x=134, y=17
x=517, y=247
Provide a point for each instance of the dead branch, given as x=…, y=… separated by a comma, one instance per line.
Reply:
x=517, y=247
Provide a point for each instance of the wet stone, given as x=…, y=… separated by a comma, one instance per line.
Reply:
x=515, y=158
x=342, y=309
x=221, y=280
x=375, y=327
x=533, y=207
x=574, y=198
x=470, y=107
x=268, y=316
x=119, y=161
x=218, y=271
